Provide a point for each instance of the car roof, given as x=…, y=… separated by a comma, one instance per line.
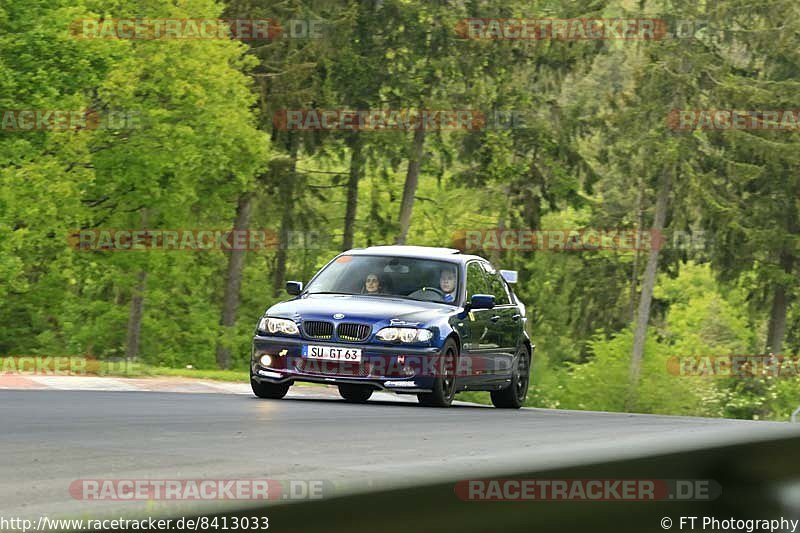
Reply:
x=419, y=252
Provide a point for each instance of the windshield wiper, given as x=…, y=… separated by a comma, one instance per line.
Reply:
x=329, y=292
x=431, y=301
x=403, y=297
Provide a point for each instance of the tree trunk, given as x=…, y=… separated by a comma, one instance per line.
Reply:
x=356, y=166
x=410, y=188
x=135, y=317
x=279, y=274
x=286, y=194
x=646, y=298
x=375, y=223
x=640, y=229
x=780, y=304
x=780, y=298
x=136, y=314
x=233, y=280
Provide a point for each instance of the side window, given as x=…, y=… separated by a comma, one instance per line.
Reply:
x=497, y=286
x=476, y=280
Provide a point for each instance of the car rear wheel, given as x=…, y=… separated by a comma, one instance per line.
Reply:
x=355, y=393
x=271, y=391
x=513, y=396
x=444, y=386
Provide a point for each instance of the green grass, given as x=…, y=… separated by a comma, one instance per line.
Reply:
x=78, y=366
x=239, y=376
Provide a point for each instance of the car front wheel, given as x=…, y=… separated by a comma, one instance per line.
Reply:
x=271, y=391
x=355, y=393
x=444, y=386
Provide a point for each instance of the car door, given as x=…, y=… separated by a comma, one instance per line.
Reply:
x=482, y=334
x=506, y=320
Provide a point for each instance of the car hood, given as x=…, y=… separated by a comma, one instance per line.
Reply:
x=357, y=308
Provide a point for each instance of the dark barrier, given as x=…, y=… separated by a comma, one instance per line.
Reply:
x=756, y=480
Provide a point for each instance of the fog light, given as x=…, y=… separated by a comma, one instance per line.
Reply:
x=399, y=384
x=265, y=360
x=408, y=370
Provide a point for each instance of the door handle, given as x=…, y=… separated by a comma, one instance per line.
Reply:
x=516, y=317
x=495, y=318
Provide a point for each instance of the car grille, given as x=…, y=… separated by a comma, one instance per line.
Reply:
x=348, y=331
x=329, y=368
x=318, y=329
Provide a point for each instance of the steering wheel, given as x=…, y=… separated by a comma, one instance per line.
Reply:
x=422, y=292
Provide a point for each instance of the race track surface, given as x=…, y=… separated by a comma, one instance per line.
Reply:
x=51, y=438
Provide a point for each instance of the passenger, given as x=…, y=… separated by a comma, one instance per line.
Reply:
x=447, y=284
x=372, y=285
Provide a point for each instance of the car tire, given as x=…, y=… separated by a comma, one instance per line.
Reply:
x=355, y=393
x=444, y=386
x=272, y=391
x=513, y=396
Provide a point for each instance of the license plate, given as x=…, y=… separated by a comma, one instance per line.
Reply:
x=333, y=353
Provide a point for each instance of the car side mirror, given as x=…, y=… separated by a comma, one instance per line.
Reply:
x=509, y=275
x=481, y=301
x=294, y=287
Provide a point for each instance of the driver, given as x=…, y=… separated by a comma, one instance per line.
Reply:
x=447, y=284
x=372, y=284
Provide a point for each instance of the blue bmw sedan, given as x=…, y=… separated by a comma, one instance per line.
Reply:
x=406, y=319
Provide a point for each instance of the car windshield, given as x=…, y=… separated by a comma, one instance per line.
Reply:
x=416, y=279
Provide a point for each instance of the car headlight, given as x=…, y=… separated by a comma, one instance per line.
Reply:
x=278, y=325
x=404, y=335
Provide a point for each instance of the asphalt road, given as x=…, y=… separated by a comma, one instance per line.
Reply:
x=48, y=439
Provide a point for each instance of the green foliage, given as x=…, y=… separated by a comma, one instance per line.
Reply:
x=589, y=147
x=191, y=147
x=700, y=321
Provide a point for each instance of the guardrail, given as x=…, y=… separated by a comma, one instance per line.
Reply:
x=794, y=415
x=755, y=480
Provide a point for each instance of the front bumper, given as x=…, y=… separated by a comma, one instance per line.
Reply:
x=381, y=366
